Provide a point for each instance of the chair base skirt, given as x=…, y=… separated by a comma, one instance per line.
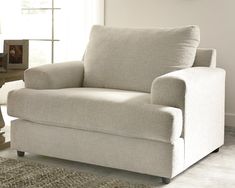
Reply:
x=132, y=154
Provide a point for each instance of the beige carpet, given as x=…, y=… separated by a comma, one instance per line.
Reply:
x=25, y=174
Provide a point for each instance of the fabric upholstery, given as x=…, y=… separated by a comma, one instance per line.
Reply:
x=130, y=59
x=138, y=111
x=117, y=112
x=55, y=76
x=138, y=155
x=46, y=76
x=199, y=92
x=205, y=58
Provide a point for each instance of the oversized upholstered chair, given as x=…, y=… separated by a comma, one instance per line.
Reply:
x=143, y=100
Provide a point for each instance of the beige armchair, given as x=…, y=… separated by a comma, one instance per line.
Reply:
x=143, y=100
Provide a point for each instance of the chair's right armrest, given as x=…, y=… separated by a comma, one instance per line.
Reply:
x=200, y=93
x=178, y=88
x=55, y=76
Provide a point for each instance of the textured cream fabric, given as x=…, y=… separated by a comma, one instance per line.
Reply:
x=55, y=76
x=70, y=74
x=138, y=155
x=161, y=133
x=125, y=113
x=131, y=59
x=199, y=92
x=205, y=57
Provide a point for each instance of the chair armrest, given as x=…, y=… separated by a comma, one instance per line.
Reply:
x=199, y=92
x=55, y=76
x=175, y=88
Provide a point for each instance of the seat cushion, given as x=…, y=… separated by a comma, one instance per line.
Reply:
x=118, y=112
x=130, y=59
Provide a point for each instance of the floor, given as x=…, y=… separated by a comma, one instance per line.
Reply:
x=216, y=170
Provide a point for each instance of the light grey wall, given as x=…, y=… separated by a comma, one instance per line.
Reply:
x=216, y=19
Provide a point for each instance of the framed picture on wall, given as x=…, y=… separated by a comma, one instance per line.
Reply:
x=17, y=53
x=3, y=62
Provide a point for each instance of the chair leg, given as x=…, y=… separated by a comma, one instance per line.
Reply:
x=166, y=180
x=216, y=151
x=20, y=153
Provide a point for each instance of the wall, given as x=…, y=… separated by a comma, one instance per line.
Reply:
x=216, y=19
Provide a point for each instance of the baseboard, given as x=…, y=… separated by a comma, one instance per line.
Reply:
x=230, y=120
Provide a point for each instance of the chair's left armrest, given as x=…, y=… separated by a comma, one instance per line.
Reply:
x=200, y=93
x=55, y=76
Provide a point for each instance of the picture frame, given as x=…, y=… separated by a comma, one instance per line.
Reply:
x=17, y=53
x=3, y=62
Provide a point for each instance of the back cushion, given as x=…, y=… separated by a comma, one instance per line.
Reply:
x=130, y=59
